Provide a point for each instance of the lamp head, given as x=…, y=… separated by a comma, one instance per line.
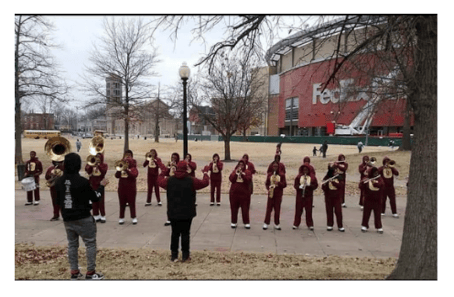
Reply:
x=184, y=71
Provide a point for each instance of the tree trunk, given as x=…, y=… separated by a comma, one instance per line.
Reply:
x=126, y=147
x=227, y=148
x=406, y=138
x=418, y=253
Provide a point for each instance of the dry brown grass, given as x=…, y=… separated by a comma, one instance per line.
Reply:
x=261, y=154
x=34, y=262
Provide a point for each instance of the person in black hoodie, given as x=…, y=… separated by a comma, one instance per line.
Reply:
x=74, y=196
x=181, y=189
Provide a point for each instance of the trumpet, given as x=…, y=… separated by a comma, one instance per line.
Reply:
x=92, y=160
x=238, y=171
x=148, y=156
x=372, y=161
x=370, y=179
x=330, y=179
x=121, y=165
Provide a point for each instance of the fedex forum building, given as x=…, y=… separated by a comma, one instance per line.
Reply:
x=299, y=66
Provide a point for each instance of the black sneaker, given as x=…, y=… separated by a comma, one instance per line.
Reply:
x=167, y=223
x=28, y=203
x=174, y=258
x=55, y=219
x=95, y=276
x=77, y=276
x=148, y=204
x=188, y=259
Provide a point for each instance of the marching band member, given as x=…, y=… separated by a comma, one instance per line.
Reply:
x=387, y=172
x=52, y=173
x=33, y=168
x=240, y=193
x=275, y=184
x=251, y=168
x=363, y=169
x=215, y=179
x=96, y=175
x=127, y=187
x=331, y=188
x=192, y=166
x=342, y=167
x=305, y=184
x=169, y=171
x=152, y=178
x=277, y=158
x=181, y=189
x=372, y=199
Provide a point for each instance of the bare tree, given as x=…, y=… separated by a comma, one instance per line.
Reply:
x=413, y=33
x=36, y=72
x=122, y=53
x=230, y=90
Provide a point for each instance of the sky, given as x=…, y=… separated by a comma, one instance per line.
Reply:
x=77, y=34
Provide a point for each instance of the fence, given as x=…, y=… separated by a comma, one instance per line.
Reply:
x=342, y=140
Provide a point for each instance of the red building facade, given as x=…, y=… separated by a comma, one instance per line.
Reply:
x=38, y=121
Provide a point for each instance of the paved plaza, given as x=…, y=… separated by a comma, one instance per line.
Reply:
x=211, y=228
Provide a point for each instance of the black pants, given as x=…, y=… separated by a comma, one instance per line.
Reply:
x=180, y=228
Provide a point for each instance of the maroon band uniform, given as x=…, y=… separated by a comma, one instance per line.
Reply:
x=96, y=175
x=33, y=168
x=53, y=193
x=363, y=169
x=304, y=202
x=152, y=177
x=127, y=187
x=215, y=179
x=388, y=173
x=240, y=193
x=372, y=199
x=276, y=178
x=333, y=203
x=342, y=171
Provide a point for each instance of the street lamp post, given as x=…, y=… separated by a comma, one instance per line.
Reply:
x=184, y=74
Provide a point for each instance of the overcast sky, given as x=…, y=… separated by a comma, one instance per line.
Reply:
x=78, y=33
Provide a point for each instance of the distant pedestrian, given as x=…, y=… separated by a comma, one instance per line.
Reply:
x=360, y=146
x=78, y=145
x=320, y=150
x=314, y=152
x=325, y=148
x=74, y=194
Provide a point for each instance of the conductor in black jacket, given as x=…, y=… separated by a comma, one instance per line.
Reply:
x=74, y=194
x=181, y=209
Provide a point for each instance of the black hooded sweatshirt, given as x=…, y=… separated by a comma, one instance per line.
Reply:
x=74, y=192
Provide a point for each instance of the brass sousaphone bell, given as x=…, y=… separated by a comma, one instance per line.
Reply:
x=57, y=147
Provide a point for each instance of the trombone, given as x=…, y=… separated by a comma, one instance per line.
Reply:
x=330, y=179
x=371, y=179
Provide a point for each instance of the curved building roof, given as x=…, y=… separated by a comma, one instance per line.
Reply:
x=322, y=30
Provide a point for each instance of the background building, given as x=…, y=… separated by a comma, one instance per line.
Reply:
x=38, y=121
x=299, y=65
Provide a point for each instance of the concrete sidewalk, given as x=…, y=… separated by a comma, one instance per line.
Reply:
x=211, y=228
